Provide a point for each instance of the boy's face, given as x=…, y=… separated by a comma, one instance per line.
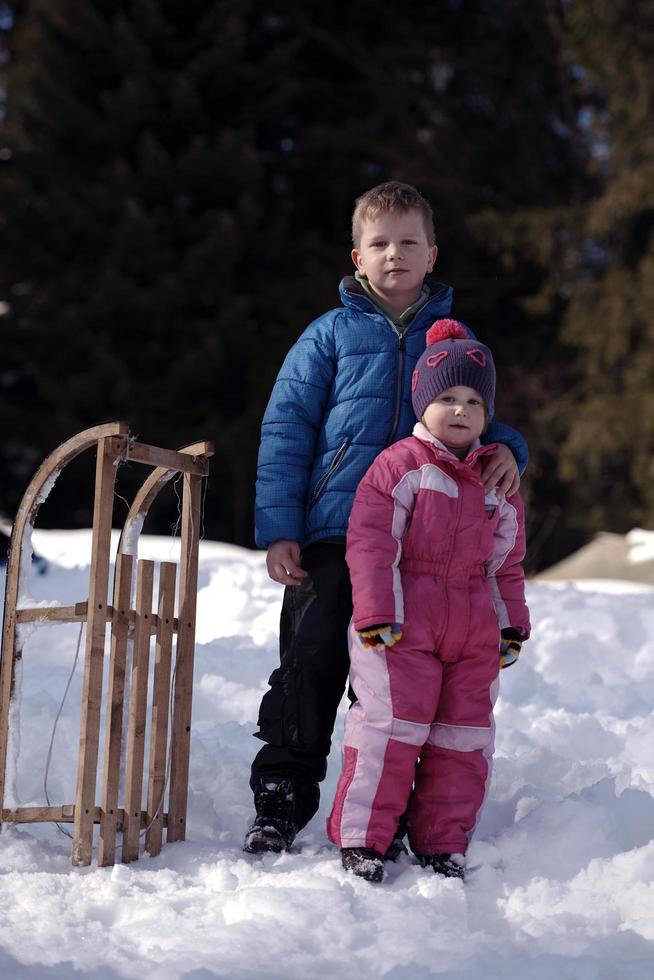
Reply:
x=456, y=417
x=395, y=256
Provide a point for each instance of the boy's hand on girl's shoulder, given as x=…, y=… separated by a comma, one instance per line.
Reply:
x=501, y=471
x=283, y=563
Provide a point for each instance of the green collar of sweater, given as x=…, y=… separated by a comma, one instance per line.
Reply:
x=400, y=322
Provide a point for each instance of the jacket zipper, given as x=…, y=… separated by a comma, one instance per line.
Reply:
x=335, y=463
x=398, y=388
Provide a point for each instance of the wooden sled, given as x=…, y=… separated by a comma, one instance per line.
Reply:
x=114, y=444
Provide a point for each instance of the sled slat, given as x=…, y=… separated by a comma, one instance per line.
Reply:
x=160, y=699
x=114, y=722
x=138, y=452
x=64, y=814
x=51, y=614
x=183, y=693
x=137, y=711
x=77, y=614
x=44, y=814
x=94, y=657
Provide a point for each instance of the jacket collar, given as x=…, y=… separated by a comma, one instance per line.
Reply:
x=438, y=301
x=421, y=432
x=405, y=318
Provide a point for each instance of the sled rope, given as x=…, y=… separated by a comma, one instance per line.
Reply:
x=174, y=528
x=123, y=462
x=56, y=722
x=205, y=487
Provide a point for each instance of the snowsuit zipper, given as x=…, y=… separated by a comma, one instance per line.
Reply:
x=446, y=573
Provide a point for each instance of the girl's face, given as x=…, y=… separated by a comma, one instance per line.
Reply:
x=456, y=417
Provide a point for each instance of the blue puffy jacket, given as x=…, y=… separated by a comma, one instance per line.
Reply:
x=342, y=395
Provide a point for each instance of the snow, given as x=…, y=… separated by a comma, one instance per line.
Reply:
x=641, y=545
x=561, y=880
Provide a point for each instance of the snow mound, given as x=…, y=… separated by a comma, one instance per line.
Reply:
x=561, y=880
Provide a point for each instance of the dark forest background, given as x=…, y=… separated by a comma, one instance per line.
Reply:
x=176, y=183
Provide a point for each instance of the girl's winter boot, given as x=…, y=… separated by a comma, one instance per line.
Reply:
x=364, y=862
x=449, y=865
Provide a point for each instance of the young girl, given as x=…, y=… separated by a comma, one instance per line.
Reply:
x=439, y=606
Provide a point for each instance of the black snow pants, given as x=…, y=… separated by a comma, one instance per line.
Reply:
x=297, y=714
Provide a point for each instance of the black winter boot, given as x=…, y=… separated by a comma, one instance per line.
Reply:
x=274, y=827
x=448, y=865
x=364, y=862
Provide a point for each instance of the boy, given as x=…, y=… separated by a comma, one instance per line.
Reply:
x=342, y=395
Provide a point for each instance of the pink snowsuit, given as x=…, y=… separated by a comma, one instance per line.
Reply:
x=428, y=550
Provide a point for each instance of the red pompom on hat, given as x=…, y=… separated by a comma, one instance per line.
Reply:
x=452, y=358
x=446, y=330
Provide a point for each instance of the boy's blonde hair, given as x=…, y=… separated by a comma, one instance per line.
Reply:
x=391, y=196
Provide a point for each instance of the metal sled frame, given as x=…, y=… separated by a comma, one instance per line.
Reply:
x=114, y=444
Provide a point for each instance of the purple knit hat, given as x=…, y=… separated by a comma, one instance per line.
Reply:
x=452, y=358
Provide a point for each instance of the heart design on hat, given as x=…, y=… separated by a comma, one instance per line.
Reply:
x=436, y=359
x=452, y=358
x=477, y=356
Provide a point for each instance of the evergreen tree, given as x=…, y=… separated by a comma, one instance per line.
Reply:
x=176, y=202
x=606, y=421
x=134, y=206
